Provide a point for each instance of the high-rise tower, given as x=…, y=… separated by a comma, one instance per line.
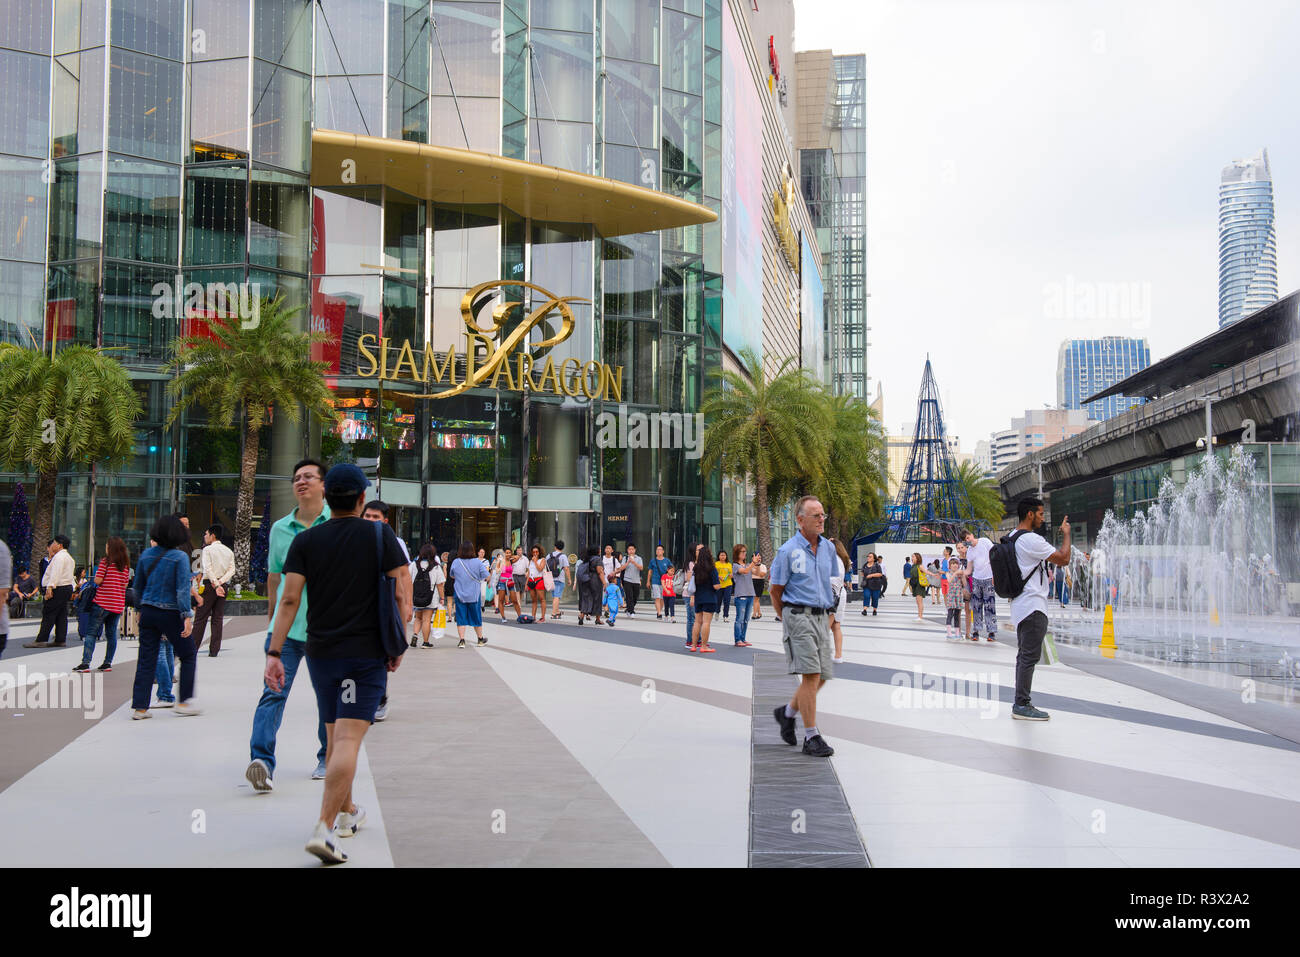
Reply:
x=1247, y=239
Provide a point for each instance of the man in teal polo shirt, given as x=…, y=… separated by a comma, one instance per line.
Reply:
x=800, y=579
x=309, y=490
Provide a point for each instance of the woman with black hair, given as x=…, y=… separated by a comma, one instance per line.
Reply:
x=590, y=577
x=162, y=587
x=706, y=599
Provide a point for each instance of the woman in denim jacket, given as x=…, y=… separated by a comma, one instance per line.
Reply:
x=162, y=588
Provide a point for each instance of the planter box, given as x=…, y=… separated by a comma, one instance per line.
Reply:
x=247, y=606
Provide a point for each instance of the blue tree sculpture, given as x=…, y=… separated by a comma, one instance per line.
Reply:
x=20, y=530
x=257, y=562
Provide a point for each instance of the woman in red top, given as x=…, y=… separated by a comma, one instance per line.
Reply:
x=110, y=600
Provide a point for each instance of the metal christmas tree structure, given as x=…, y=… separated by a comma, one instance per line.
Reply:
x=931, y=505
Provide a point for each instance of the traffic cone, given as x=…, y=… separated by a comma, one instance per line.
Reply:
x=1108, y=633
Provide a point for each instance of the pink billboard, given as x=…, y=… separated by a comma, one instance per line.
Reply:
x=742, y=197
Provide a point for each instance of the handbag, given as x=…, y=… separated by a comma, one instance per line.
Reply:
x=392, y=633
x=439, y=627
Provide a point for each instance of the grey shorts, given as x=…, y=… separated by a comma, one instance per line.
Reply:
x=656, y=591
x=807, y=642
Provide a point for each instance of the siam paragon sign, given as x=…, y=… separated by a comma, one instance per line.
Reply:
x=496, y=357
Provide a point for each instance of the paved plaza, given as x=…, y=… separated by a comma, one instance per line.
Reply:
x=559, y=745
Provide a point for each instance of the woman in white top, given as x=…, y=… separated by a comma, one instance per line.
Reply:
x=427, y=566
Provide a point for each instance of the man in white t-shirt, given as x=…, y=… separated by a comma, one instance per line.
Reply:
x=983, y=599
x=1029, y=608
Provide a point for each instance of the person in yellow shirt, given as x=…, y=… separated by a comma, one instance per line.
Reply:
x=728, y=586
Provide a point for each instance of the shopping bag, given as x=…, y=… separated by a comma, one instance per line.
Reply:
x=1050, y=655
x=439, y=623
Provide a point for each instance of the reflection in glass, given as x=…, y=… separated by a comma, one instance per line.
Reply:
x=560, y=445
x=352, y=104
x=283, y=33
x=402, y=315
x=129, y=322
x=77, y=24
x=563, y=15
x=75, y=207
x=683, y=59
x=404, y=236
x=479, y=116
x=215, y=214
x=632, y=30
x=279, y=221
x=563, y=71
x=349, y=37
x=349, y=230
x=78, y=103
x=281, y=107
x=465, y=44
x=25, y=26
x=142, y=211
x=22, y=297
x=464, y=245
x=463, y=438
x=224, y=26
x=218, y=110
x=408, y=42
x=25, y=103
x=566, y=145
x=71, y=295
x=144, y=106
x=22, y=209
x=683, y=134
x=408, y=113
x=631, y=275
x=149, y=26
x=632, y=104
x=634, y=347
x=362, y=315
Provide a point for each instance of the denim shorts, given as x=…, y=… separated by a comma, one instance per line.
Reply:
x=469, y=614
x=348, y=687
x=558, y=590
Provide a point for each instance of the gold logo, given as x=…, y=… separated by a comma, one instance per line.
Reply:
x=488, y=352
x=782, y=205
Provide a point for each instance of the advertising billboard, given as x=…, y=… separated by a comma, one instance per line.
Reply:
x=812, y=308
x=742, y=197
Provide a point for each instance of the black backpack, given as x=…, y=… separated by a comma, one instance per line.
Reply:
x=583, y=572
x=1007, y=581
x=553, y=563
x=422, y=589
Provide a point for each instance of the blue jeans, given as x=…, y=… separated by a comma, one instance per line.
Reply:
x=165, y=670
x=724, y=599
x=270, y=707
x=100, y=618
x=690, y=619
x=670, y=606
x=870, y=599
x=744, y=608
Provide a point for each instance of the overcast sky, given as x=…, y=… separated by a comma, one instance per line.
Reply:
x=1019, y=151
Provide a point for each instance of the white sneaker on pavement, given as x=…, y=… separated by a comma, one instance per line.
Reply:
x=348, y=824
x=324, y=844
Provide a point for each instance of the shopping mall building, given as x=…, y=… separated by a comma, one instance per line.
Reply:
x=403, y=171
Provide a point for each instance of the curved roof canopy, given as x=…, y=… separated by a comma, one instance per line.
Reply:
x=447, y=174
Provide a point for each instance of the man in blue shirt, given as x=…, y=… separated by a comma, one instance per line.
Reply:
x=800, y=579
x=659, y=565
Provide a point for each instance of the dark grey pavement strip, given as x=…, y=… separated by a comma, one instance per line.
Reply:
x=28, y=741
x=798, y=814
x=1268, y=717
x=1260, y=816
x=876, y=674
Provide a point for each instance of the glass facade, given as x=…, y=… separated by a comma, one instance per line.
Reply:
x=1087, y=366
x=170, y=141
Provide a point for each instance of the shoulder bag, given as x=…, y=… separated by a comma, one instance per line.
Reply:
x=392, y=632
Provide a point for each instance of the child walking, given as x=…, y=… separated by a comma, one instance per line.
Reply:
x=669, y=594
x=613, y=601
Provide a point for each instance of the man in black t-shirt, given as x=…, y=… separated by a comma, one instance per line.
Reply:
x=338, y=563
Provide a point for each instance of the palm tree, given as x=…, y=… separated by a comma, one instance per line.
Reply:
x=242, y=371
x=75, y=408
x=768, y=430
x=982, y=493
x=852, y=485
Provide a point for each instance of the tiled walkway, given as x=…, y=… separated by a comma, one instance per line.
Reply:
x=560, y=745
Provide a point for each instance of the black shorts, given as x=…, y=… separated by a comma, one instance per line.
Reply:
x=348, y=687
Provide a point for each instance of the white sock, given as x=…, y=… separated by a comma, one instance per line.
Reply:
x=789, y=712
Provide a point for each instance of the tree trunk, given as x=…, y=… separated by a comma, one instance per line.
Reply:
x=764, y=519
x=244, y=504
x=43, y=527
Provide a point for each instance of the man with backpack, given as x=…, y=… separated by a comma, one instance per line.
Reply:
x=1019, y=574
x=557, y=563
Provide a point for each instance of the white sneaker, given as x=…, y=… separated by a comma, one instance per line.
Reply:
x=319, y=773
x=920, y=619
x=838, y=661
x=348, y=824
x=164, y=704
x=140, y=715
x=324, y=844
x=188, y=708
x=259, y=775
